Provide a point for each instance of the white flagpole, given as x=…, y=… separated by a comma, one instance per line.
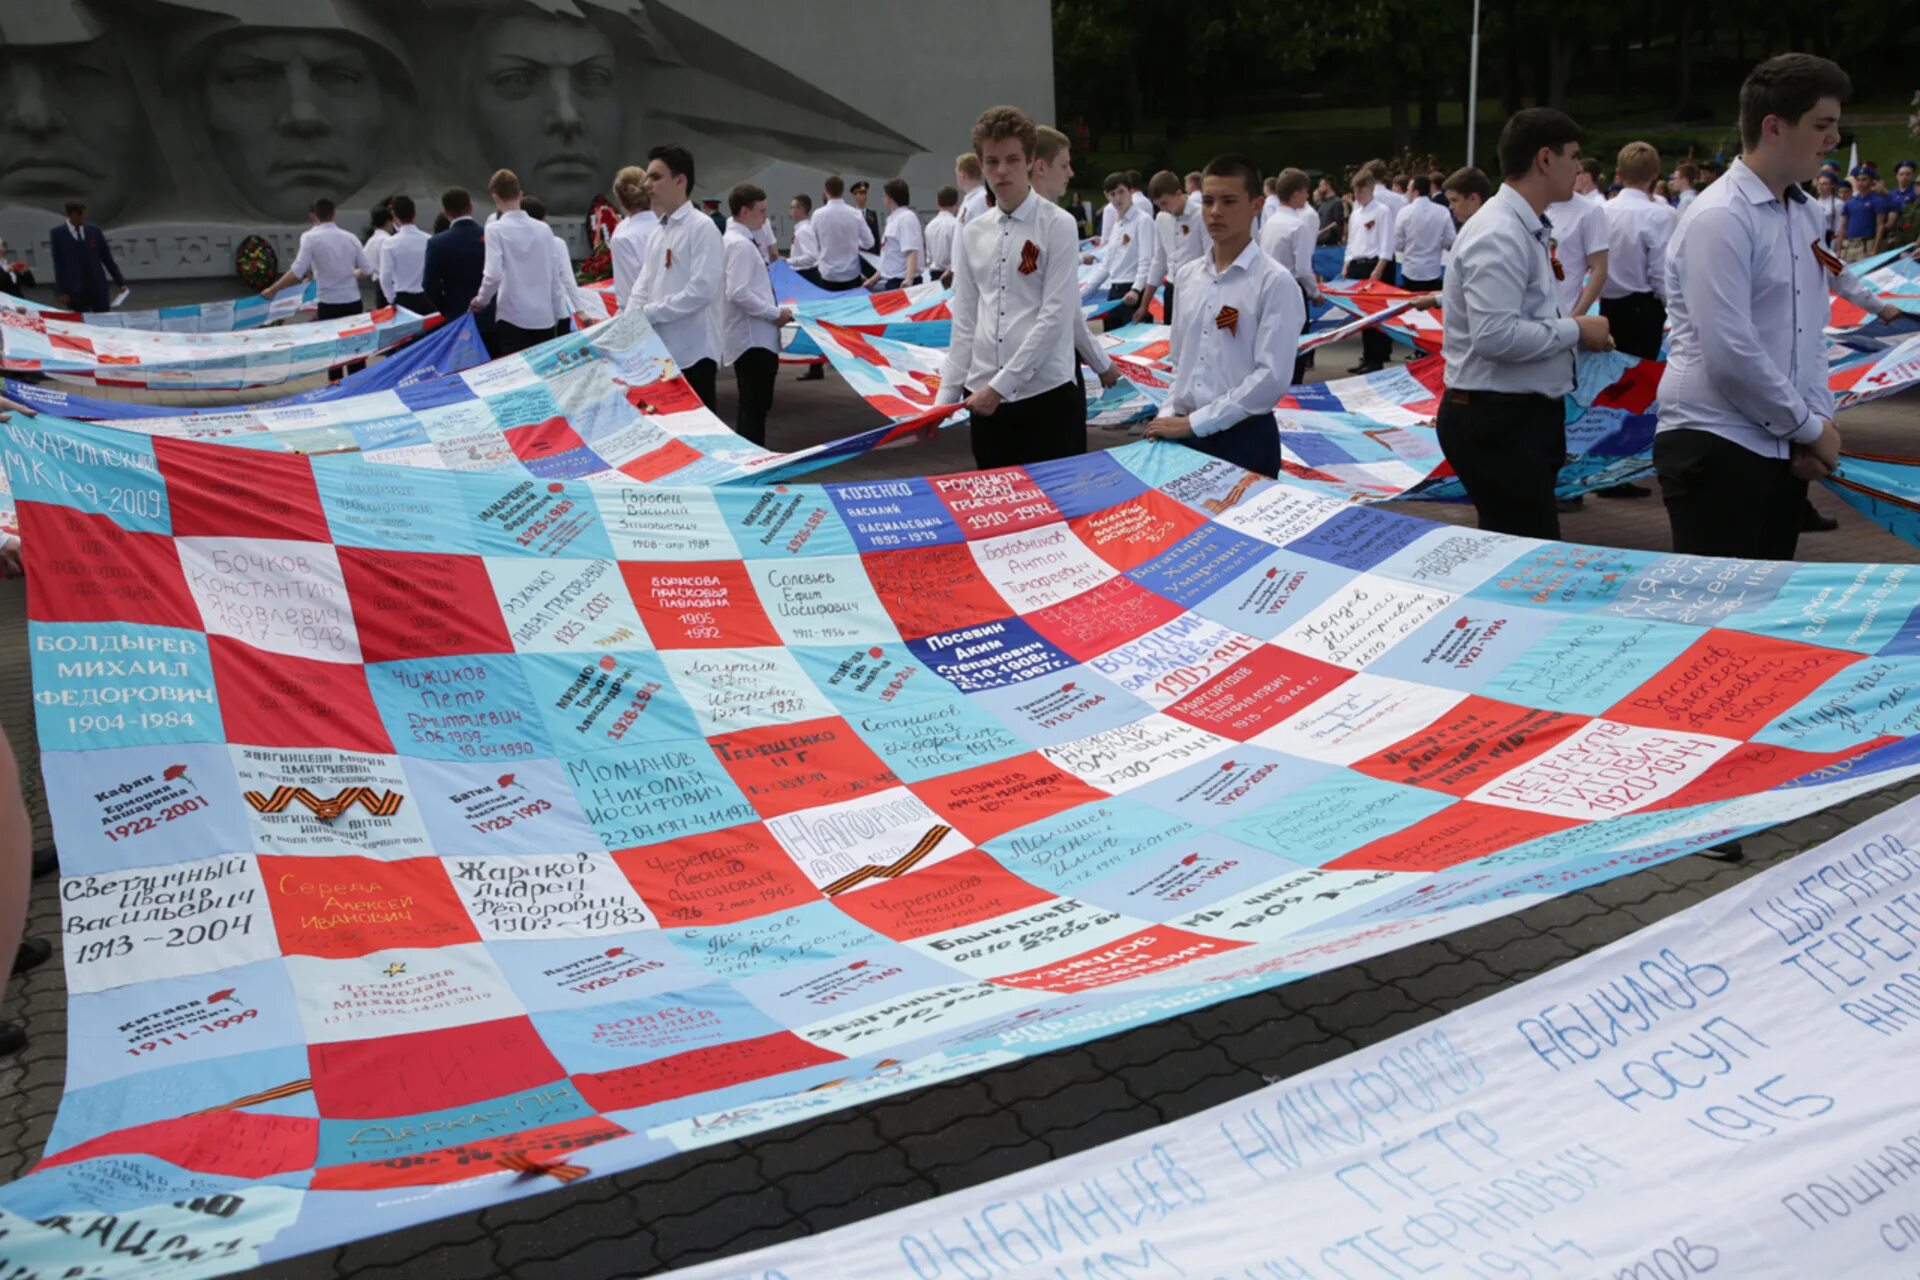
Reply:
x=1473, y=82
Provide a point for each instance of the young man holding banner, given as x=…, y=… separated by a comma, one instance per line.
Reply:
x=1015, y=294
x=1235, y=331
x=1746, y=413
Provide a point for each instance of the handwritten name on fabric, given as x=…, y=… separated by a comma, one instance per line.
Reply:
x=416, y=820
x=226, y=316
x=1723, y=1093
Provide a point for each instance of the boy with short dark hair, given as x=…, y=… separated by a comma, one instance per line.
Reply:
x=902, y=248
x=1236, y=331
x=681, y=280
x=940, y=231
x=1126, y=250
x=751, y=320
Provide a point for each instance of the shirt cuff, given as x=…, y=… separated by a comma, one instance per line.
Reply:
x=949, y=393
x=1810, y=430
x=1009, y=384
x=1566, y=332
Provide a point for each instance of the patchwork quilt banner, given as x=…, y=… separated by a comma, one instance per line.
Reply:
x=430, y=836
x=226, y=316
x=447, y=350
x=1728, y=1092
x=253, y=358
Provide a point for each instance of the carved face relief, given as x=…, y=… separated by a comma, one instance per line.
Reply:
x=70, y=127
x=547, y=106
x=296, y=115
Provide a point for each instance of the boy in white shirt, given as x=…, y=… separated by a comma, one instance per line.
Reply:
x=1015, y=294
x=629, y=241
x=750, y=330
x=1579, y=239
x=337, y=261
x=1178, y=239
x=940, y=231
x=1288, y=238
x=1126, y=247
x=903, y=248
x=521, y=273
x=382, y=219
x=1422, y=234
x=403, y=264
x=1236, y=333
x=840, y=233
x=973, y=190
x=1369, y=256
x=680, y=284
x=1052, y=171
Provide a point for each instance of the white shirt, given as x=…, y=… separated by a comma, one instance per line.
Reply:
x=680, y=286
x=940, y=233
x=751, y=316
x=762, y=239
x=1144, y=205
x=1225, y=373
x=1579, y=232
x=330, y=254
x=1638, y=228
x=1193, y=204
x=577, y=300
x=804, y=250
x=1013, y=328
x=1687, y=197
x=1126, y=252
x=842, y=233
x=403, y=261
x=1268, y=207
x=1370, y=229
x=1288, y=239
x=628, y=244
x=1506, y=327
x=903, y=236
x=1834, y=210
x=1386, y=195
x=1422, y=234
x=376, y=245
x=1747, y=358
x=972, y=204
x=1593, y=197
x=521, y=272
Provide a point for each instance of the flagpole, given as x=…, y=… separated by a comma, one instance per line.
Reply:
x=1473, y=82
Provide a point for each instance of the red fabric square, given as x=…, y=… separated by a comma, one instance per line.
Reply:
x=1759, y=766
x=932, y=589
x=1458, y=833
x=217, y=492
x=1114, y=613
x=890, y=301
x=465, y=1160
x=700, y=1071
x=668, y=458
x=338, y=907
x=236, y=1144
x=1258, y=692
x=86, y=568
x=785, y=767
x=1730, y=683
x=1139, y=955
x=430, y=1070
x=988, y=503
x=672, y=395
x=274, y=700
x=698, y=604
x=67, y=342
x=716, y=877
x=991, y=799
x=1137, y=530
x=958, y=891
x=534, y=441
x=1477, y=741
x=415, y=604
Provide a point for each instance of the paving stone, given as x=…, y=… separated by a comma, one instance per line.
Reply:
x=630, y=1256
x=1526, y=956
x=1168, y=1075
x=533, y=1239
x=1349, y=1016
x=1074, y=1105
x=471, y=1261
x=943, y=1105
x=959, y=1142
x=818, y=1146
x=988, y=1165
x=1443, y=983
x=1210, y=1092
x=1142, y=1045
x=841, y=1181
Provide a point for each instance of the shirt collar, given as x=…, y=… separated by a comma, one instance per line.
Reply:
x=465, y=217
x=1634, y=195
x=1025, y=211
x=521, y=214
x=1536, y=224
x=1248, y=259
x=1747, y=182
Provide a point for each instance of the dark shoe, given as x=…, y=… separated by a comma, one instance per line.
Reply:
x=45, y=861
x=13, y=1038
x=1363, y=368
x=1812, y=521
x=814, y=373
x=33, y=953
x=1728, y=852
x=1624, y=491
x=1574, y=503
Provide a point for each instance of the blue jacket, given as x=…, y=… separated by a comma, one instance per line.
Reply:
x=81, y=266
x=455, y=260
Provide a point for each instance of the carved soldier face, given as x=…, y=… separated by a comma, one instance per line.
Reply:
x=295, y=115
x=69, y=127
x=546, y=105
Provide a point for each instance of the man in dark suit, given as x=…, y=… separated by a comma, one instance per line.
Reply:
x=82, y=262
x=455, y=259
x=859, y=190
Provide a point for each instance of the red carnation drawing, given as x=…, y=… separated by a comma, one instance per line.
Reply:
x=506, y=780
x=175, y=772
x=226, y=994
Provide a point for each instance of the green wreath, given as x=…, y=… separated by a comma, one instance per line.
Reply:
x=256, y=262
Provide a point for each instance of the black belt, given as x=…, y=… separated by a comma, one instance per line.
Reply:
x=1459, y=396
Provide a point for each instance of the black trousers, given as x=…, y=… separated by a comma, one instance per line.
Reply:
x=889, y=284
x=419, y=303
x=753, y=375
x=1507, y=449
x=1636, y=321
x=333, y=311
x=1302, y=361
x=380, y=298
x=701, y=375
x=1376, y=348
x=1253, y=443
x=509, y=338
x=1166, y=303
x=1117, y=291
x=1421, y=286
x=838, y=286
x=1725, y=500
x=1052, y=424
